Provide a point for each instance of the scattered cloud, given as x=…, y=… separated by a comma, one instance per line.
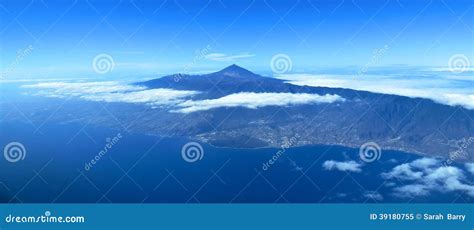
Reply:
x=225, y=57
x=257, y=100
x=412, y=190
x=403, y=172
x=446, y=89
x=426, y=175
x=345, y=166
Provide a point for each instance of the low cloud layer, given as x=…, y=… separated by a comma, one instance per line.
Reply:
x=446, y=89
x=257, y=100
x=425, y=175
x=65, y=89
x=345, y=166
x=179, y=101
x=111, y=92
x=151, y=96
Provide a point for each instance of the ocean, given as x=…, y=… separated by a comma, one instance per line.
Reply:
x=143, y=168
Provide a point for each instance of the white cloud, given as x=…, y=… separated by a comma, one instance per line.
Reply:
x=225, y=57
x=426, y=175
x=443, y=173
x=80, y=88
x=374, y=195
x=404, y=172
x=424, y=163
x=111, y=92
x=256, y=100
x=151, y=96
x=470, y=167
x=457, y=99
x=453, y=184
x=177, y=100
x=350, y=166
x=447, y=89
x=412, y=190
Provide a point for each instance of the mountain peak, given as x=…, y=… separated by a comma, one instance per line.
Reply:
x=235, y=71
x=233, y=67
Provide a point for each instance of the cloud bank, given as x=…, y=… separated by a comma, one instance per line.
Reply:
x=448, y=89
x=177, y=100
x=345, y=166
x=257, y=100
x=151, y=96
x=111, y=92
x=64, y=89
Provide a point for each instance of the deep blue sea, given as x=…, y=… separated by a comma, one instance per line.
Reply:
x=142, y=168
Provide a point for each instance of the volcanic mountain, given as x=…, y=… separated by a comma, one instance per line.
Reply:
x=393, y=122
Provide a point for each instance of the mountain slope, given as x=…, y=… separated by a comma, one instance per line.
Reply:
x=394, y=122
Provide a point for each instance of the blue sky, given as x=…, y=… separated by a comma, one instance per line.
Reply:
x=146, y=37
